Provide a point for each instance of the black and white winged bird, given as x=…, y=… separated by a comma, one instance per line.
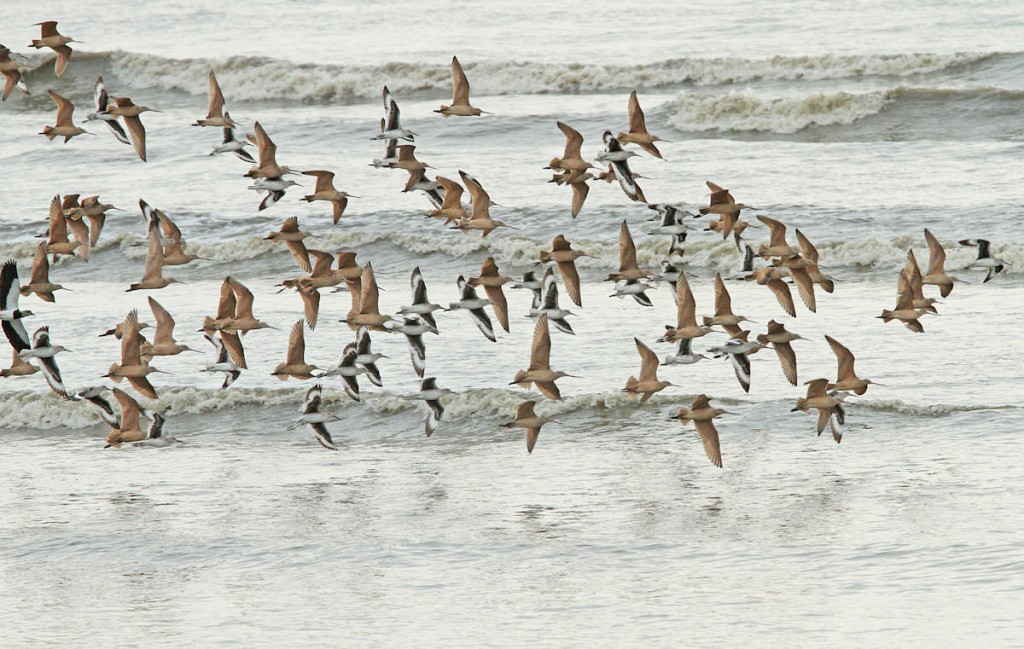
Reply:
x=348, y=370
x=421, y=304
x=232, y=143
x=45, y=351
x=95, y=395
x=316, y=419
x=617, y=158
x=548, y=305
x=431, y=395
x=365, y=357
x=223, y=362
x=475, y=305
x=984, y=259
x=101, y=102
x=737, y=349
x=414, y=328
x=10, y=314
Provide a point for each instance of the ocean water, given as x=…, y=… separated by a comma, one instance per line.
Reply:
x=860, y=124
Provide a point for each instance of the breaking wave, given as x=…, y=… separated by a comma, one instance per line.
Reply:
x=262, y=78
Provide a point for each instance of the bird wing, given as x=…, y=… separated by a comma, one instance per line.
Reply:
x=299, y=254
x=233, y=343
x=573, y=141
x=937, y=260
x=130, y=340
x=311, y=305
x=627, y=249
x=636, y=115
x=164, y=323
x=783, y=295
x=370, y=294
x=154, y=255
x=709, y=436
x=723, y=302
x=138, y=133
x=845, y=358
x=686, y=306
x=499, y=303
x=65, y=109
x=266, y=146
x=460, y=89
x=243, y=298
x=787, y=358
x=648, y=362
x=777, y=230
x=324, y=179
x=540, y=350
x=571, y=281
x=297, y=345
x=216, y=98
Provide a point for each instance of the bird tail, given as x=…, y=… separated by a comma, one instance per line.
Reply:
x=47, y=131
x=545, y=256
x=113, y=368
x=632, y=383
x=886, y=315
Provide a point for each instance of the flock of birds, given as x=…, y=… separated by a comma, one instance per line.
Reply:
x=75, y=227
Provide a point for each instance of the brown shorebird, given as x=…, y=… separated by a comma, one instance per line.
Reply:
x=367, y=311
x=131, y=366
x=295, y=365
x=163, y=343
x=936, y=275
x=565, y=258
x=637, y=133
x=244, y=319
x=129, y=112
x=64, y=126
x=528, y=419
x=129, y=430
x=847, y=380
x=215, y=115
x=780, y=340
x=460, y=95
x=492, y=281
x=628, y=267
x=481, y=216
x=13, y=78
x=571, y=163
x=539, y=372
x=451, y=208
x=777, y=245
x=796, y=267
x=325, y=191
x=57, y=242
x=723, y=310
x=725, y=206
x=904, y=311
x=152, y=277
x=225, y=315
x=51, y=38
x=39, y=282
x=819, y=398
x=701, y=414
x=267, y=167
x=686, y=315
x=648, y=382
x=96, y=212
x=810, y=255
x=292, y=237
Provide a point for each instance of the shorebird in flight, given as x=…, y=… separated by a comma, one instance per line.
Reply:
x=637, y=133
x=367, y=358
x=421, y=305
x=348, y=369
x=701, y=414
x=475, y=305
x=545, y=303
x=152, y=276
x=367, y=311
x=316, y=419
x=460, y=95
x=528, y=419
x=391, y=125
x=223, y=363
x=648, y=382
x=132, y=366
x=724, y=316
x=292, y=237
x=101, y=101
x=616, y=157
x=325, y=191
x=215, y=115
x=686, y=315
x=51, y=38
x=481, y=216
x=13, y=77
x=10, y=314
x=780, y=340
x=451, y=208
x=295, y=365
x=431, y=395
x=232, y=142
x=847, y=380
x=628, y=267
x=94, y=396
x=904, y=311
x=826, y=405
x=163, y=343
x=565, y=258
x=984, y=259
x=129, y=112
x=39, y=282
x=492, y=281
x=738, y=349
x=540, y=373
x=64, y=127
